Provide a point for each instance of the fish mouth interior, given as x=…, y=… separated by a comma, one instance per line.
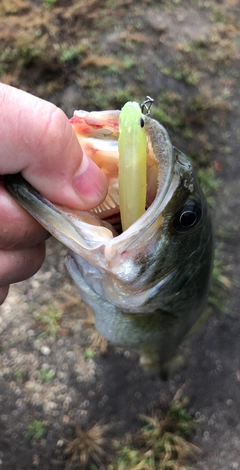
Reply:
x=98, y=137
x=108, y=212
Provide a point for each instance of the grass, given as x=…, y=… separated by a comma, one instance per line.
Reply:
x=69, y=53
x=22, y=53
x=209, y=184
x=19, y=376
x=88, y=447
x=49, y=3
x=220, y=283
x=161, y=444
x=35, y=430
x=89, y=354
x=49, y=318
x=219, y=15
x=101, y=98
x=162, y=114
x=182, y=73
x=167, y=109
x=26, y=53
x=215, y=47
x=47, y=375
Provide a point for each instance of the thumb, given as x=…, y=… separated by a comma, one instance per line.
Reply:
x=38, y=141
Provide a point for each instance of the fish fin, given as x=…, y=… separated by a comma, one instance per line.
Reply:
x=166, y=370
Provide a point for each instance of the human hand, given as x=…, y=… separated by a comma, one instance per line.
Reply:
x=37, y=140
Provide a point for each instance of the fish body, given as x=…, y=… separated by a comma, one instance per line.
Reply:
x=147, y=285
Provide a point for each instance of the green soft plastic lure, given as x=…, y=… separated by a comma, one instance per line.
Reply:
x=132, y=164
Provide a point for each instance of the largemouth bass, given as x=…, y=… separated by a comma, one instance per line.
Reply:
x=147, y=285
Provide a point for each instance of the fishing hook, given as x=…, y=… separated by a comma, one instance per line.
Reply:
x=146, y=105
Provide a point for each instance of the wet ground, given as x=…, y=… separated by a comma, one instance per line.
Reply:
x=94, y=55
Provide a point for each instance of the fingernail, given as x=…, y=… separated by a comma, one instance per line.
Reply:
x=90, y=183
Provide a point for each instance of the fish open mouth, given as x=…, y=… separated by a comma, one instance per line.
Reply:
x=100, y=143
x=101, y=226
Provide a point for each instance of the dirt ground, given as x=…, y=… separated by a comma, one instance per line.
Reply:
x=94, y=55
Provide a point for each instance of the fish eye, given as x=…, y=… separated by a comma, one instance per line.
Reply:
x=187, y=217
x=142, y=122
